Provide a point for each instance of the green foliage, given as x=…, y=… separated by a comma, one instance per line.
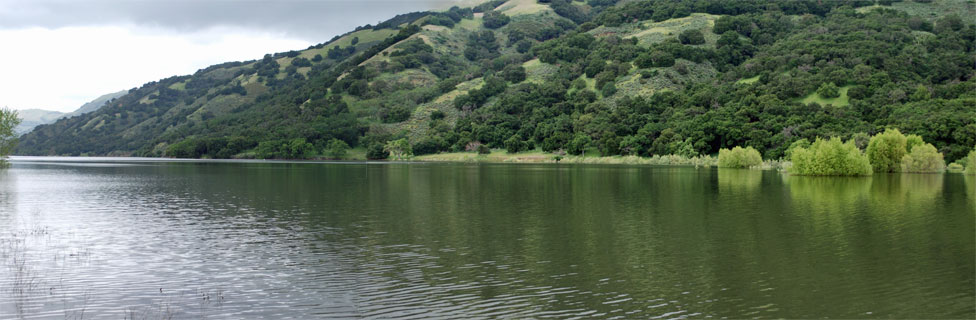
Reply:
x=483, y=149
x=579, y=144
x=515, y=144
x=296, y=148
x=885, y=150
x=692, y=37
x=923, y=158
x=399, y=149
x=739, y=157
x=828, y=90
x=8, y=140
x=802, y=143
x=336, y=149
x=494, y=19
x=376, y=151
x=830, y=158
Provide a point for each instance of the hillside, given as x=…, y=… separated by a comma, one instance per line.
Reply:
x=31, y=118
x=633, y=78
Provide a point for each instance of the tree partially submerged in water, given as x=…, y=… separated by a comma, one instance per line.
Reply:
x=830, y=158
x=739, y=157
x=923, y=158
x=8, y=139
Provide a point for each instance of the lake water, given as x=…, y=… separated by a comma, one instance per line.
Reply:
x=130, y=238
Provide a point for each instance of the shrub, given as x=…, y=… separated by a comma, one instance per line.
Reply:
x=483, y=149
x=830, y=158
x=739, y=157
x=923, y=159
x=885, y=150
x=693, y=37
x=375, y=151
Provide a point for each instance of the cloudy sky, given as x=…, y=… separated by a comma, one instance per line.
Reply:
x=59, y=54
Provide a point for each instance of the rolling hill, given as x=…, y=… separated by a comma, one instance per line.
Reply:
x=623, y=77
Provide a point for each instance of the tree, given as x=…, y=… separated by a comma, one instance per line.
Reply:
x=828, y=90
x=8, y=139
x=692, y=37
x=336, y=149
x=739, y=157
x=885, y=150
x=830, y=158
x=494, y=19
x=399, y=149
x=923, y=159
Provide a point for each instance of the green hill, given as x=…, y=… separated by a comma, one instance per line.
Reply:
x=633, y=78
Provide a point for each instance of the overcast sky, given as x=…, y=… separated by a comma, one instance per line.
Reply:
x=57, y=55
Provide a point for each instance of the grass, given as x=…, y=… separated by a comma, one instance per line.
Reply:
x=648, y=32
x=178, y=86
x=840, y=101
x=365, y=36
x=520, y=7
x=469, y=24
x=752, y=80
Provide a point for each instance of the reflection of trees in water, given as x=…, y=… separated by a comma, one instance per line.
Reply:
x=745, y=181
x=970, y=186
x=909, y=193
x=830, y=194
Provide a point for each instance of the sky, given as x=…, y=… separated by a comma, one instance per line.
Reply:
x=59, y=54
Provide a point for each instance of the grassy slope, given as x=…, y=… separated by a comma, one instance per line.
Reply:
x=840, y=101
x=931, y=11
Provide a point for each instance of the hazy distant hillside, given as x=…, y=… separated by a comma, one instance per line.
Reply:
x=34, y=117
x=641, y=77
x=31, y=118
x=96, y=104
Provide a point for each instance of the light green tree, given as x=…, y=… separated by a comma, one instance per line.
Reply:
x=923, y=158
x=399, y=149
x=885, y=150
x=830, y=158
x=8, y=140
x=739, y=157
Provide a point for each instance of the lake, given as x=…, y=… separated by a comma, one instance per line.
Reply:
x=140, y=238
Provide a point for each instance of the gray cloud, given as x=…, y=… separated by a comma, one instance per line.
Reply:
x=312, y=20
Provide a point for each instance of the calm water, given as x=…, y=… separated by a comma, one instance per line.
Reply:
x=114, y=239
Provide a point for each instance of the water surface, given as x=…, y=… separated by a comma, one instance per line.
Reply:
x=113, y=238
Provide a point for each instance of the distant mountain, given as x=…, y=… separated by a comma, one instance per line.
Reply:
x=96, y=104
x=34, y=117
x=31, y=118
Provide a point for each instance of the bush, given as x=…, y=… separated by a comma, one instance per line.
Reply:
x=739, y=157
x=483, y=149
x=828, y=90
x=375, y=151
x=830, y=158
x=923, y=159
x=885, y=150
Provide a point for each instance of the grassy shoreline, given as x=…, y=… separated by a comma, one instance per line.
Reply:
x=501, y=156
